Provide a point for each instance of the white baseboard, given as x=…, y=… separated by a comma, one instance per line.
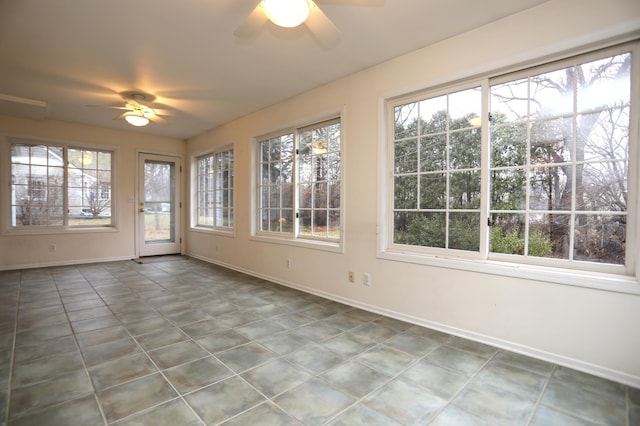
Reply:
x=62, y=263
x=575, y=364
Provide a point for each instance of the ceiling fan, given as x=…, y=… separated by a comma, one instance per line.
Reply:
x=291, y=13
x=137, y=111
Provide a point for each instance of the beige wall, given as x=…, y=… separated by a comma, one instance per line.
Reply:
x=589, y=329
x=20, y=251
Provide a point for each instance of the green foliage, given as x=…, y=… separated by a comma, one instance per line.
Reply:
x=511, y=242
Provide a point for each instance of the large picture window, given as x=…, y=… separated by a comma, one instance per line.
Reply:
x=531, y=167
x=299, y=183
x=58, y=186
x=214, y=195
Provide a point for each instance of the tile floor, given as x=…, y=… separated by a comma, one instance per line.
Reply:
x=183, y=342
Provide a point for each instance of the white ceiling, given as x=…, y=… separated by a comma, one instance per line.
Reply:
x=72, y=53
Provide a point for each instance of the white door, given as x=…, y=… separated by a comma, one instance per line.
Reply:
x=158, y=205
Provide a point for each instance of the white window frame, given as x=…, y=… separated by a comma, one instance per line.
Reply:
x=213, y=228
x=608, y=277
x=8, y=228
x=294, y=237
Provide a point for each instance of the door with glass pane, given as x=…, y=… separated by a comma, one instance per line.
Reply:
x=158, y=205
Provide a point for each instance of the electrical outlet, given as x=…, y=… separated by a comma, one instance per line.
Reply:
x=289, y=263
x=366, y=280
x=52, y=247
x=352, y=277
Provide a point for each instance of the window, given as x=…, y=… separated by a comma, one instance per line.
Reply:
x=47, y=181
x=214, y=195
x=299, y=183
x=437, y=171
x=543, y=179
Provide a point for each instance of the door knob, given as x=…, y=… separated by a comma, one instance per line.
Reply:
x=141, y=209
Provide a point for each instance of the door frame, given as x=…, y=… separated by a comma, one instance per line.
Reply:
x=179, y=217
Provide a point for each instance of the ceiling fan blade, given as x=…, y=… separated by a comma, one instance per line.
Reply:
x=252, y=23
x=321, y=26
x=156, y=119
x=110, y=106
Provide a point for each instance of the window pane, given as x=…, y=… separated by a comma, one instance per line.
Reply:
x=406, y=156
x=552, y=93
x=464, y=149
x=509, y=101
x=405, y=121
x=508, y=145
x=550, y=188
x=420, y=229
x=600, y=238
x=319, y=180
x=464, y=190
x=464, y=231
x=507, y=233
x=552, y=141
x=508, y=189
x=433, y=191
x=433, y=115
x=603, y=187
x=606, y=83
x=464, y=107
x=433, y=153
x=406, y=192
x=553, y=228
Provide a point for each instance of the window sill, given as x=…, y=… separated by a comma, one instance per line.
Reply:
x=594, y=280
x=216, y=231
x=60, y=231
x=330, y=246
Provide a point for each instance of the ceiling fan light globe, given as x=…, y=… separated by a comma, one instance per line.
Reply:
x=286, y=13
x=137, y=120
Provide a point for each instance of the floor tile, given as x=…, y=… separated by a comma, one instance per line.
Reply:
x=362, y=415
x=49, y=392
x=285, y=342
x=586, y=403
x=457, y=360
x=355, y=379
x=221, y=341
x=29, y=372
x=547, y=416
x=244, y=357
x=386, y=360
x=497, y=406
x=176, y=354
x=164, y=337
x=97, y=354
x=348, y=345
x=314, y=402
x=276, y=377
x=197, y=374
x=280, y=356
x=122, y=400
x=121, y=370
x=315, y=359
x=82, y=411
x=263, y=414
x=454, y=416
x=438, y=380
x=404, y=402
x=174, y=413
x=510, y=378
x=223, y=400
